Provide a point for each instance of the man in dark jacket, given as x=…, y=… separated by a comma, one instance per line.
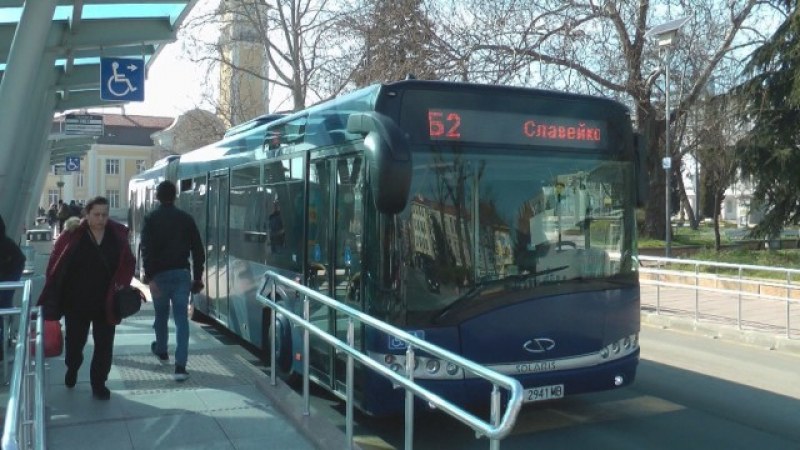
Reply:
x=12, y=263
x=169, y=236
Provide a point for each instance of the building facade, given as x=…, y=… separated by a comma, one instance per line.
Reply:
x=125, y=149
x=243, y=76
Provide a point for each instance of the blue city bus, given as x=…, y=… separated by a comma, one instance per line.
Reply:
x=496, y=222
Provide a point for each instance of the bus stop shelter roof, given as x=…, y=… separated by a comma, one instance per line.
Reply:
x=83, y=31
x=50, y=55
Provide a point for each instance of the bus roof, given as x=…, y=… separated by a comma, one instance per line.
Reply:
x=477, y=87
x=252, y=123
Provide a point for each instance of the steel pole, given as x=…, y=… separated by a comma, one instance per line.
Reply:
x=667, y=170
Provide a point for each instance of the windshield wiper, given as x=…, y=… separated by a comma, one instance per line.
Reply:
x=480, y=286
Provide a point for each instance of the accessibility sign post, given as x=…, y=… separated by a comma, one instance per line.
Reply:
x=73, y=163
x=122, y=79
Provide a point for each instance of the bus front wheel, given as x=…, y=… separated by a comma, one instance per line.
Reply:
x=283, y=347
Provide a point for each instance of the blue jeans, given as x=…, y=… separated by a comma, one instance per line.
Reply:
x=172, y=286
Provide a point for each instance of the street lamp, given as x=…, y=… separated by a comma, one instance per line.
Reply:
x=60, y=184
x=665, y=35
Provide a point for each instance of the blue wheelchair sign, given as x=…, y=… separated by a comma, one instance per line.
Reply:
x=122, y=79
x=72, y=164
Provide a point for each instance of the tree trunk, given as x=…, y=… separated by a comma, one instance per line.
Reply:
x=687, y=206
x=717, y=240
x=717, y=243
x=655, y=225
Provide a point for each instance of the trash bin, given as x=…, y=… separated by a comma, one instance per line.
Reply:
x=41, y=241
x=40, y=235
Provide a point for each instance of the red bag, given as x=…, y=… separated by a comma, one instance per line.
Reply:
x=53, y=338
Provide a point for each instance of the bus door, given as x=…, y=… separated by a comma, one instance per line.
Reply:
x=335, y=241
x=217, y=246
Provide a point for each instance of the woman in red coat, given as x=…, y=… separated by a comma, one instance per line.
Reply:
x=89, y=262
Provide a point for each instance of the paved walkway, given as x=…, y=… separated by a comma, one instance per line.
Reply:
x=757, y=321
x=220, y=407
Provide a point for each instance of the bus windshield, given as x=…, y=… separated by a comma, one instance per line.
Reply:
x=488, y=223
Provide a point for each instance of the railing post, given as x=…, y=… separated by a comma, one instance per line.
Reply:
x=494, y=444
x=273, y=323
x=739, y=307
x=409, y=434
x=39, y=435
x=350, y=380
x=788, y=305
x=658, y=289
x=7, y=327
x=696, y=292
x=306, y=354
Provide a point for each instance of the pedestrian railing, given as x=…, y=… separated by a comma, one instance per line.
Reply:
x=735, y=281
x=24, y=426
x=501, y=419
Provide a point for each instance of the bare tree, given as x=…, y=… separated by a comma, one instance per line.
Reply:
x=396, y=38
x=295, y=40
x=599, y=47
x=194, y=129
x=717, y=151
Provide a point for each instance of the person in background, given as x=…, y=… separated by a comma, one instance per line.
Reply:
x=52, y=214
x=90, y=260
x=169, y=236
x=12, y=263
x=62, y=214
x=75, y=209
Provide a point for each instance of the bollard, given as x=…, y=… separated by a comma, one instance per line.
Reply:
x=30, y=258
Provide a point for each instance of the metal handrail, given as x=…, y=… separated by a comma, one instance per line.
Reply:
x=739, y=279
x=24, y=422
x=689, y=262
x=498, y=428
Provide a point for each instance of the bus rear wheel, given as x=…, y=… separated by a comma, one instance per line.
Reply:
x=283, y=347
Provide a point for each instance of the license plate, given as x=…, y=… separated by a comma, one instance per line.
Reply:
x=541, y=393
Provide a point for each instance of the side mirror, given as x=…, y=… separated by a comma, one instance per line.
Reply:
x=388, y=157
x=640, y=168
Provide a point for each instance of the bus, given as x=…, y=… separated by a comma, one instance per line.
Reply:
x=496, y=222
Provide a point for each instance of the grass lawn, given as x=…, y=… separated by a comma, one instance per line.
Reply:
x=704, y=238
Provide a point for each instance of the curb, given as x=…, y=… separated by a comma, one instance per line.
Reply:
x=322, y=434
x=756, y=338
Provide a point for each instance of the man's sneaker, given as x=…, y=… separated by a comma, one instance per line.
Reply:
x=180, y=373
x=163, y=357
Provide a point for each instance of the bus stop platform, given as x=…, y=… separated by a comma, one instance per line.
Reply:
x=225, y=404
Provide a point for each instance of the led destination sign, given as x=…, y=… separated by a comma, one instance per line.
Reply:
x=493, y=127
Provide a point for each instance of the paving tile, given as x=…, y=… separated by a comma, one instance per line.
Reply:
x=250, y=423
x=105, y=435
x=234, y=397
x=189, y=430
x=277, y=442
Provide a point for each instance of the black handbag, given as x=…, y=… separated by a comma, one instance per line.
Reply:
x=127, y=301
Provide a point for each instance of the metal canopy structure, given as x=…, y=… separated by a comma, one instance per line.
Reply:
x=50, y=53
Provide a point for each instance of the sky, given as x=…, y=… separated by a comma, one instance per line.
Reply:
x=174, y=84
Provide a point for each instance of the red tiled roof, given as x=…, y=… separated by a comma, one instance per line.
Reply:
x=137, y=121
